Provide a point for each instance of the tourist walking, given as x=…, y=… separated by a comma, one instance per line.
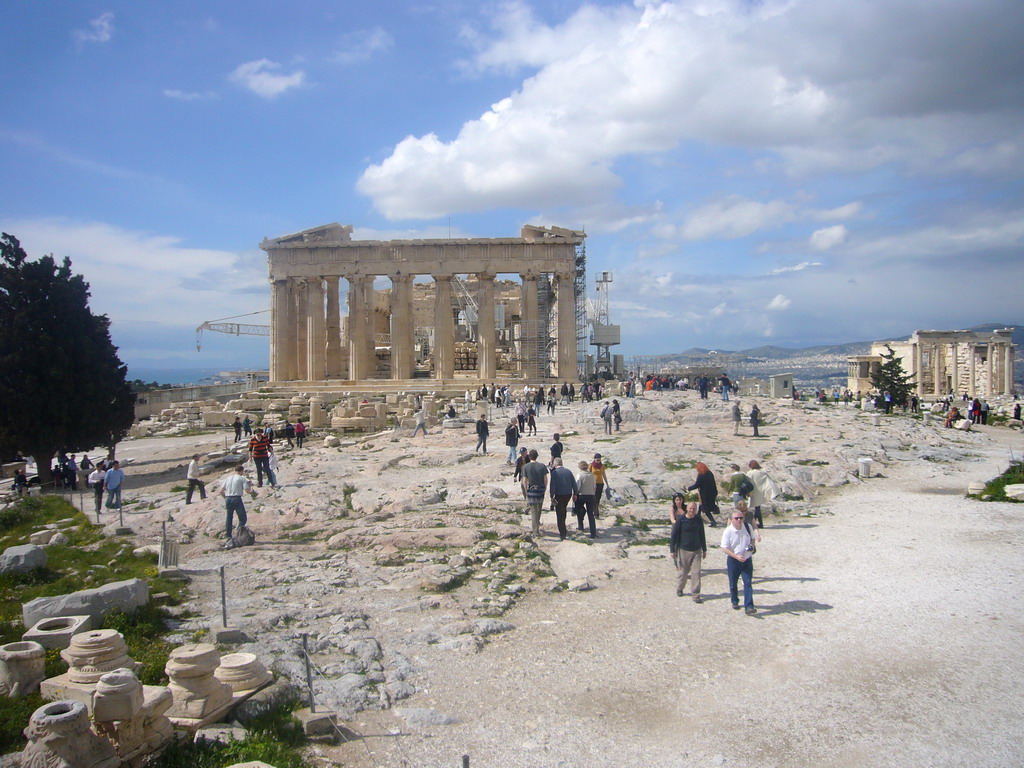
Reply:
x=606, y=417
x=288, y=431
x=535, y=484
x=238, y=429
x=689, y=547
x=616, y=414
x=707, y=488
x=755, y=418
x=531, y=420
x=563, y=489
x=231, y=488
x=736, y=417
x=600, y=472
x=585, y=501
x=738, y=546
x=113, y=481
x=522, y=459
x=512, y=440
x=71, y=473
x=556, y=449
x=481, y=435
x=678, y=507
x=96, y=480
x=421, y=423
x=763, y=489
x=247, y=426
x=192, y=475
x=739, y=484
x=300, y=433
x=259, y=451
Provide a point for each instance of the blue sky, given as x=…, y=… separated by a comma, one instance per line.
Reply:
x=792, y=173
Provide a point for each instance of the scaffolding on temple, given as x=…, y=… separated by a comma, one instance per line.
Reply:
x=580, y=287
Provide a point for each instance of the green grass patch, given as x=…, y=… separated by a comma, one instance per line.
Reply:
x=811, y=463
x=489, y=535
x=678, y=465
x=14, y=715
x=179, y=489
x=995, y=490
x=143, y=631
x=661, y=541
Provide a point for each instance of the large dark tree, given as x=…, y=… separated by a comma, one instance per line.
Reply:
x=62, y=386
x=892, y=378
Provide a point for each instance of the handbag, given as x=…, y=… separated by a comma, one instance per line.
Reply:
x=608, y=492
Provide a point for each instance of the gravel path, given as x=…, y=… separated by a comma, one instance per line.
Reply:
x=888, y=634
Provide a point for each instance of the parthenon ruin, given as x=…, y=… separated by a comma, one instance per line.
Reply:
x=945, y=362
x=478, y=327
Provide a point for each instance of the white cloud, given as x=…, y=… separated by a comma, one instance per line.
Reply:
x=815, y=84
x=362, y=45
x=100, y=31
x=735, y=217
x=779, y=303
x=177, y=95
x=847, y=211
x=143, y=277
x=829, y=237
x=261, y=78
x=795, y=268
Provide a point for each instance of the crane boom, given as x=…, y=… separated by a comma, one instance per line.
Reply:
x=233, y=329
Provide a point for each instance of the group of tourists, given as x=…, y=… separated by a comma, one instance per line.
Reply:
x=749, y=491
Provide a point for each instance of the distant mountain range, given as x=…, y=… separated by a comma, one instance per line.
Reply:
x=769, y=352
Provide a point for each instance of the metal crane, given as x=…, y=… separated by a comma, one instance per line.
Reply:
x=235, y=329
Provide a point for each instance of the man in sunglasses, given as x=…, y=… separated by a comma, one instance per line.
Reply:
x=738, y=545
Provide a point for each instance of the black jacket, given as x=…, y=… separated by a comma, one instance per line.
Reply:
x=706, y=486
x=688, y=534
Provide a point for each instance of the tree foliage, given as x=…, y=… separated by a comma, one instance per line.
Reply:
x=891, y=377
x=62, y=385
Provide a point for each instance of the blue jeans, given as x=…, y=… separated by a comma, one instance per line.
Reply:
x=235, y=505
x=512, y=454
x=114, y=498
x=417, y=428
x=263, y=466
x=746, y=570
x=725, y=394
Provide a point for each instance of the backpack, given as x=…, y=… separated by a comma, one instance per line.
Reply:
x=244, y=537
x=745, y=487
x=604, y=411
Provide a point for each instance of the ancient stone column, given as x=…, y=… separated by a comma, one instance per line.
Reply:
x=937, y=368
x=1008, y=369
x=332, y=368
x=972, y=382
x=316, y=342
x=991, y=361
x=242, y=672
x=59, y=735
x=402, y=331
x=288, y=333
x=485, y=329
x=356, y=328
x=955, y=373
x=566, y=327
x=444, y=328
x=278, y=330
x=919, y=370
x=196, y=693
x=301, y=330
x=92, y=654
x=528, y=328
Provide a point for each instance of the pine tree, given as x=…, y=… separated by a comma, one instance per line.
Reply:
x=62, y=385
x=892, y=378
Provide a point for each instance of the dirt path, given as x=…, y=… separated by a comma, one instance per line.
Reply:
x=888, y=633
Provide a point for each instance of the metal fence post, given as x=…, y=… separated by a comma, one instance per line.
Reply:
x=309, y=672
x=223, y=599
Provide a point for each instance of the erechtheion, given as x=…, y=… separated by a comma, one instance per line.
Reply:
x=475, y=327
x=945, y=362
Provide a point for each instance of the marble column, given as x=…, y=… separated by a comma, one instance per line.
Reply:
x=444, y=328
x=289, y=332
x=486, y=340
x=937, y=368
x=990, y=358
x=316, y=340
x=955, y=358
x=972, y=385
x=528, y=341
x=278, y=330
x=566, y=327
x=1008, y=369
x=301, y=332
x=402, y=331
x=333, y=325
x=919, y=370
x=357, y=340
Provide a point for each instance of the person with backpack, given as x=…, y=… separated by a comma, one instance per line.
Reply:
x=739, y=484
x=739, y=548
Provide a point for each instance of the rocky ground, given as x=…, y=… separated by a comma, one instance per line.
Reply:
x=889, y=607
